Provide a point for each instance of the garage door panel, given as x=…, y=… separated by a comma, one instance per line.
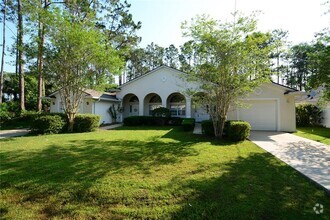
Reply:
x=261, y=114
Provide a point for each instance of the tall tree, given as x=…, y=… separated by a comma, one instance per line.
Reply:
x=279, y=39
x=232, y=60
x=171, y=56
x=20, y=48
x=301, y=66
x=3, y=48
x=320, y=59
x=43, y=4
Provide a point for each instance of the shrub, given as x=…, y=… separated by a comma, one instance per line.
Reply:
x=227, y=126
x=9, y=110
x=308, y=115
x=161, y=112
x=86, y=122
x=188, y=124
x=133, y=121
x=239, y=130
x=207, y=128
x=175, y=121
x=48, y=124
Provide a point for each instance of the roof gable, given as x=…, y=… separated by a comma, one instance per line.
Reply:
x=151, y=72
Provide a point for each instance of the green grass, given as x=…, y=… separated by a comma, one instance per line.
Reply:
x=315, y=133
x=155, y=173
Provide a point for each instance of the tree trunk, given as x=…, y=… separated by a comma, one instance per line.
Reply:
x=218, y=127
x=41, y=41
x=71, y=117
x=40, y=64
x=20, y=56
x=3, y=49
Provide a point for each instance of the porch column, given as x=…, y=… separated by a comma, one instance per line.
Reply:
x=141, y=106
x=188, y=107
x=164, y=101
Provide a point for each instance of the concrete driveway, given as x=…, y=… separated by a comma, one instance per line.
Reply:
x=310, y=158
x=13, y=133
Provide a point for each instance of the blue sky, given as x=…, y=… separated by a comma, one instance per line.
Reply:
x=161, y=19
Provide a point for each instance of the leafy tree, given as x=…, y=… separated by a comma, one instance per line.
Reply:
x=79, y=52
x=171, y=56
x=321, y=62
x=136, y=63
x=231, y=60
x=186, y=57
x=301, y=65
x=154, y=56
x=279, y=54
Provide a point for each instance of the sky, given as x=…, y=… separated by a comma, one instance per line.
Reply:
x=161, y=19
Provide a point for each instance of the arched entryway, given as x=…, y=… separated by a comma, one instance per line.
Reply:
x=176, y=102
x=131, y=105
x=151, y=102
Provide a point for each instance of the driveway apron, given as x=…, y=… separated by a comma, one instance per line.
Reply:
x=310, y=158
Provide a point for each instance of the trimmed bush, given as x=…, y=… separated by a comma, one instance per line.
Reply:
x=308, y=115
x=175, y=121
x=161, y=112
x=48, y=124
x=207, y=128
x=188, y=124
x=239, y=130
x=133, y=121
x=86, y=122
x=227, y=126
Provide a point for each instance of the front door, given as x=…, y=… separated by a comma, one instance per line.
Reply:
x=133, y=109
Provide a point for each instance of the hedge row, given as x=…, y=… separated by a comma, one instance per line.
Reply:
x=188, y=124
x=308, y=115
x=55, y=123
x=151, y=120
x=235, y=130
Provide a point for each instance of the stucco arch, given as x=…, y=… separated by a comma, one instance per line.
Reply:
x=176, y=102
x=131, y=105
x=150, y=102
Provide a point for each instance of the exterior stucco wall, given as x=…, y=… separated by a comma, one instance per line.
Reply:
x=101, y=108
x=163, y=82
x=166, y=81
x=55, y=105
x=285, y=106
x=326, y=116
x=87, y=106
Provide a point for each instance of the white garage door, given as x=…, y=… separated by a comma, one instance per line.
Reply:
x=261, y=114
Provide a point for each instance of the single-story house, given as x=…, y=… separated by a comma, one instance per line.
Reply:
x=93, y=102
x=313, y=98
x=270, y=107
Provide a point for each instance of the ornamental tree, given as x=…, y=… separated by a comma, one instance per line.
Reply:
x=231, y=60
x=78, y=55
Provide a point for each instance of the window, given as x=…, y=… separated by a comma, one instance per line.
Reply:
x=177, y=105
x=155, y=102
x=178, y=109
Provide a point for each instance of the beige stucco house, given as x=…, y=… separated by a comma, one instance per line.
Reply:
x=93, y=102
x=270, y=107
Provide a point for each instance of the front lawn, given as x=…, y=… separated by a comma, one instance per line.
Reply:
x=155, y=173
x=315, y=133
